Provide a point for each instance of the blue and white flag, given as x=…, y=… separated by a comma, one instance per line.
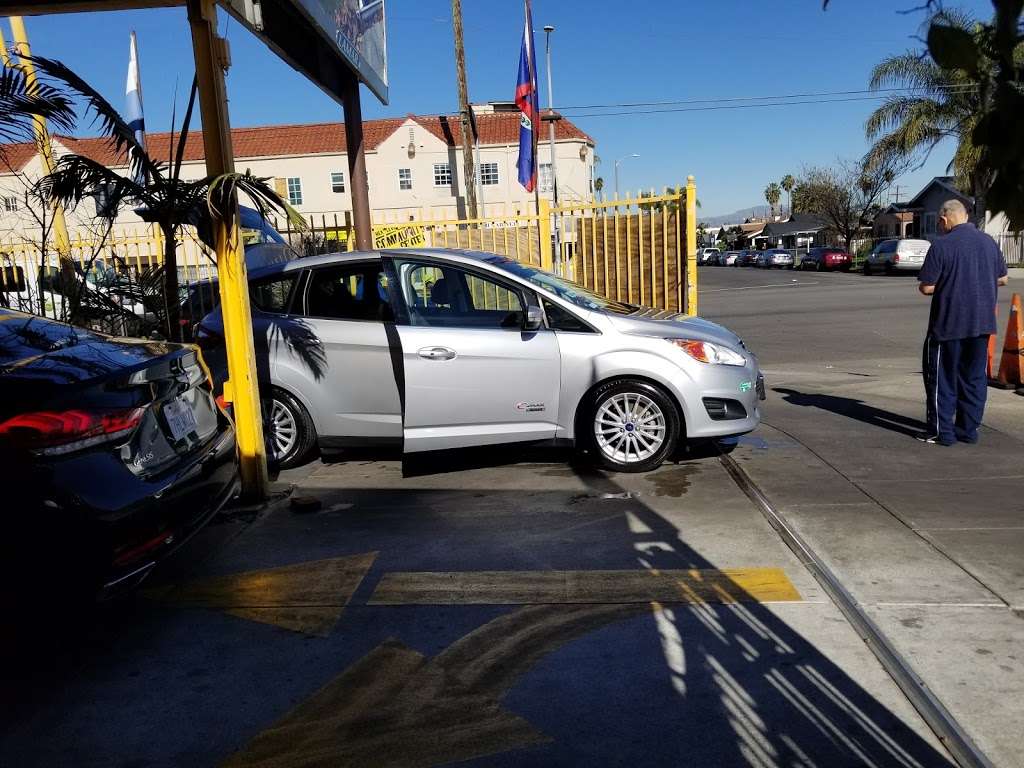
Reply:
x=529, y=109
x=133, y=96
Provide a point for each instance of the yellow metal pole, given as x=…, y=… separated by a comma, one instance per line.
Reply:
x=241, y=389
x=60, y=229
x=544, y=227
x=691, y=246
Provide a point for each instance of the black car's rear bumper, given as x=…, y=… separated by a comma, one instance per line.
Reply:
x=88, y=524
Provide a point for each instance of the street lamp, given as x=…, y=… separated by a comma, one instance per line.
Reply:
x=548, y=29
x=625, y=157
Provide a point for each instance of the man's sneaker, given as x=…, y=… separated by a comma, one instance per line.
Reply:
x=931, y=437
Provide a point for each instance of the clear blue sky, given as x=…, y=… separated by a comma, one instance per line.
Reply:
x=605, y=52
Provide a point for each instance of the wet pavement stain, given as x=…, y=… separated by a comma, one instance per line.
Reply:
x=673, y=481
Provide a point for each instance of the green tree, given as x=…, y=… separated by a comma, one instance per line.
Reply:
x=151, y=185
x=948, y=100
x=847, y=196
x=787, y=183
x=772, y=194
x=598, y=185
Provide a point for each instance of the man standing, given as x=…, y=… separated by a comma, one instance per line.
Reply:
x=961, y=274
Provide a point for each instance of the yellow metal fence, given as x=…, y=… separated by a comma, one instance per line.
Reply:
x=638, y=249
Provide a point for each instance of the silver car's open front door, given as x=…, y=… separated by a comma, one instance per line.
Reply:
x=472, y=374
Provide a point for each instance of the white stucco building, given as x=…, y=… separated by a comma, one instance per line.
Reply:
x=414, y=165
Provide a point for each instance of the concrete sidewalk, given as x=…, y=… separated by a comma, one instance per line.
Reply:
x=929, y=539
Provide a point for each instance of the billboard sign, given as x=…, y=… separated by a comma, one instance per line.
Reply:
x=353, y=30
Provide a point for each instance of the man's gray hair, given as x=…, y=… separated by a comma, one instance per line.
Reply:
x=953, y=209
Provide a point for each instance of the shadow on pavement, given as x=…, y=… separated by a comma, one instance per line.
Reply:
x=689, y=682
x=853, y=409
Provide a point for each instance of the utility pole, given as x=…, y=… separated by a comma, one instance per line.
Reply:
x=467, y=131
x=355, y=151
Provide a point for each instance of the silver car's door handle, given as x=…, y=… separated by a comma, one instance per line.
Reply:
x=437, y=353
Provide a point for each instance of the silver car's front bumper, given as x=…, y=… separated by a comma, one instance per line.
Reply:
x=744, y=385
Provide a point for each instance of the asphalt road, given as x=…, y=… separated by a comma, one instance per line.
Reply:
x=930, y=540
x=517, y=608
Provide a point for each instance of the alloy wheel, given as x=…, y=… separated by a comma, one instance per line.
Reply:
x=281, y=428
x=629, y=427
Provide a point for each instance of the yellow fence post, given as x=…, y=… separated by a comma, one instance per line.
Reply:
x=544, y=227
x=241, y=387
x=691, y=246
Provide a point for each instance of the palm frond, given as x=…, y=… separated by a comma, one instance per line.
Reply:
x=121, y=135
x=76, y=177
x=21, y=102
x=909, y=70
x=185, y=123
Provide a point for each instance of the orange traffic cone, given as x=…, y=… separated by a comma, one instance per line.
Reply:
x=1012, y=362
x=990, y=370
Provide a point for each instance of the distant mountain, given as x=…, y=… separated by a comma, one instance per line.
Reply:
x=736, y=217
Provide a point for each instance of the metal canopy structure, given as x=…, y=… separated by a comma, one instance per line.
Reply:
x=336, y=44
x=325, y=40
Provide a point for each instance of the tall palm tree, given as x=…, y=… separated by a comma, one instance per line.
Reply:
x=151, y=186
x=772, y=194
x=944, y=103
x=787, y=183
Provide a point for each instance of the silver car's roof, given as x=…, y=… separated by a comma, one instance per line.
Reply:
x=303, y=262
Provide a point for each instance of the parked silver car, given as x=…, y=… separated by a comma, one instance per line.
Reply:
x=896, y=255
x=432, y=349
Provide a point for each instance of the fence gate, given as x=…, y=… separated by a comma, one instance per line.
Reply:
x=638, y=250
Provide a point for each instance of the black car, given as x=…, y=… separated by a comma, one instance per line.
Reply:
x=112, y=452
x=745, y=259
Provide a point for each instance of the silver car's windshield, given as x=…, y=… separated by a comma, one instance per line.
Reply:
x=564, y=289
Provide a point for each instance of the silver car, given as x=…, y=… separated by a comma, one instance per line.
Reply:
x=431, y=349
x=896, y=255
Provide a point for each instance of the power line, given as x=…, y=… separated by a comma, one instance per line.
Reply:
x=720, y=107
x=676, y=102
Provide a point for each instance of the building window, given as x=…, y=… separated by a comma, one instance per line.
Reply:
x=405, y=178
x=930, y=223
x=295, y=190
x=442, y=175
x=544, y=177
x=10, y=204
x=338, y=182
x=488, y=174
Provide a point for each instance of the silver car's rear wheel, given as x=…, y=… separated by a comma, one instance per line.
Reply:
x=633, y=427
x=282, y=430
x=288, y=432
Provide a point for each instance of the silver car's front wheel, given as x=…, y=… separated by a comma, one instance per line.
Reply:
x=634, y=426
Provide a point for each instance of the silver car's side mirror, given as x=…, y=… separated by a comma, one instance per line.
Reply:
x=534, y=318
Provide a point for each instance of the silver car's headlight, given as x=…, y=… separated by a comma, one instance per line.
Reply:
x=706, y=352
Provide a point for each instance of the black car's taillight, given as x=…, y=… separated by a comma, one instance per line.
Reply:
x=52, y=433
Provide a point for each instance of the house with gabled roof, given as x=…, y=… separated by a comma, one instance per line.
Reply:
x=414, y=164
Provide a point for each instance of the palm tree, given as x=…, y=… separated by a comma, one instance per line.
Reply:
x=153, y=187
x=787, y=183
x=598, y=185
x=22, y=100
x=944, y=103
x=772, y=194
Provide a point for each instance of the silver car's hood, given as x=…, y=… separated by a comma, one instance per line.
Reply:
x=664, y=324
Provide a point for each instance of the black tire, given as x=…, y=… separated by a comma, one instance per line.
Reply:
x=287, y=453
x=888, y=268
x=657, y=404
x=866, y=267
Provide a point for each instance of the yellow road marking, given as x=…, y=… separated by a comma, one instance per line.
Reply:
x=603, y=587
x=304, y=597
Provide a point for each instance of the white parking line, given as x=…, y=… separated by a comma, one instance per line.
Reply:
x=793, y=284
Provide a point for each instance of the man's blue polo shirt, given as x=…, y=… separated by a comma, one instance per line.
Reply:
x=964, y=266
